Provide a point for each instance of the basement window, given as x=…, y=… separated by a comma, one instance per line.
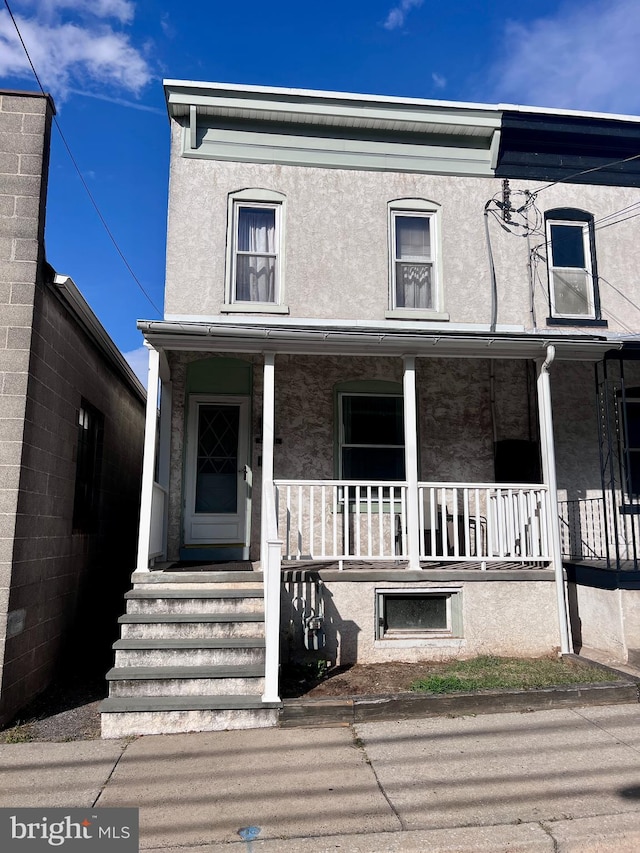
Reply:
x=418, y=614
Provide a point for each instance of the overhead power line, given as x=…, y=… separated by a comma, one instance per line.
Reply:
x=79, y=173
x=586, y=172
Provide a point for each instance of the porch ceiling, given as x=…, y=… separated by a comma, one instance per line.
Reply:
x=334, y=340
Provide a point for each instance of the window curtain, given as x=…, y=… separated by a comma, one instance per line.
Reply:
x=413, y=266
x=256, y=255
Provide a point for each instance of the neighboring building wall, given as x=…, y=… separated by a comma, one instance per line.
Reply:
x=607, y=620
x=25, y=124
x=60, y=591
x=67, y=586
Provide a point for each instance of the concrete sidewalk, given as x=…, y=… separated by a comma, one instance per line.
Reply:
x=562, y=780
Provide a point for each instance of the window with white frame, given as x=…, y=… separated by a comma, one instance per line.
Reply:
x=415, y=276
x=371, y=436
x=254, y=255
x=573, y=283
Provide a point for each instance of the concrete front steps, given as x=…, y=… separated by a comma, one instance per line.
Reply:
x=191, y=656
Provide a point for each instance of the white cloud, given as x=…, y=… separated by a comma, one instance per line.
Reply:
x=139, y=362
x=77, y=51
x=397, y=15
x=123, y=10
x=587, y=57
x=438, y=80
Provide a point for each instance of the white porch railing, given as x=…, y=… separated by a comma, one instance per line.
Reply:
x=158, y=514
x=341, y=520
x=483, y=521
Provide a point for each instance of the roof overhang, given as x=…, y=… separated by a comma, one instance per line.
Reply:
x=66, y=290
x=333, y=340
x=226, y=102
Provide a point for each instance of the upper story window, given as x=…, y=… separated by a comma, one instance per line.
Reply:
x=414, y=260
x=573, y=279
x=255, y=274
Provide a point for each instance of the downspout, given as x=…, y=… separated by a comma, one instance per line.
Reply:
x=492, y=270
x=550, y=480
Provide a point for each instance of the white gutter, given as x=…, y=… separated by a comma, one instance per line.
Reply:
x=67, y=291
x=359, y=341
x=550, y=480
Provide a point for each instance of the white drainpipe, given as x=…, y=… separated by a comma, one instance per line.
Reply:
x=411, y=461
x=549, y=477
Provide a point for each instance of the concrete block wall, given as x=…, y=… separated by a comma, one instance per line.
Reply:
x=25, y=122
x=59, y=590
x=69, y=585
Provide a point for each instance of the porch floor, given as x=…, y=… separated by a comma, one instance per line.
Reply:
x=352, y=571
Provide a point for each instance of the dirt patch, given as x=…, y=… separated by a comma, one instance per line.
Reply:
x=397, y=677
x=357, y=680
x=66, y=711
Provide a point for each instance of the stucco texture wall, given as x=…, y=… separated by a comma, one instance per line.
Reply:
x=336, y=257
x=456, y=419
x=496, y=619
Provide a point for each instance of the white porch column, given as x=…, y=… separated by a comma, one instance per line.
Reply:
x=164, y=445
x=268, y=438
x=549, y=477
x=270, y=547
x=148, y=460
x=411, y=459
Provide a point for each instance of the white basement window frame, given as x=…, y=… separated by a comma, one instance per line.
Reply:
x=255, y=252
x=415, y=260
x=393, y=625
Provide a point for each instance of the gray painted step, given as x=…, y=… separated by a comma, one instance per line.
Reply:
x=184, y=703
x=142, y=673
x=197, y=577
x=246, y=592
x=146, y=618
x=149, y=629
x=223, y=643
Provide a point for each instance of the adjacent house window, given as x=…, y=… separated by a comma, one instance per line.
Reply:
x=88, y=468
x=371, y=437
x=573, y=282
x=414, y=260
x=255, y=247
x=631, y=440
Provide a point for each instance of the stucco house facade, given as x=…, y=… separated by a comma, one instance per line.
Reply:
x=398, y=387
x=72, y=417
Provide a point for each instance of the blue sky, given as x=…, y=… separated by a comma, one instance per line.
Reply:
x=104, y=60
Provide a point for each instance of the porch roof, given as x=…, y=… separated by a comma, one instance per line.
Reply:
x=330, y=338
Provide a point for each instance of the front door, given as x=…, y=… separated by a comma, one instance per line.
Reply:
x=217, y=477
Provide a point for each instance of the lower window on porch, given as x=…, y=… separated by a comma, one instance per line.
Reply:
x=371, y=437
x=416, y=614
